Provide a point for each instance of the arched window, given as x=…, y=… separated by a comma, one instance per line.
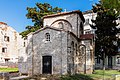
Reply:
x=81, y=28
x=72, y=55
x=76, y=49
x=4, y=50
x=47, y=36
x=87, y=21
x=72, y=47
x=60, y=24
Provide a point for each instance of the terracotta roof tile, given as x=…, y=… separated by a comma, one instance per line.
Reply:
x=65, y=13
x=87, y=36
x=3, y=23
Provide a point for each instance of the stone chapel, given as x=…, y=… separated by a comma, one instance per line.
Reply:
x=57, y=48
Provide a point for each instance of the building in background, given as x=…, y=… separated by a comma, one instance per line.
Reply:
x=111, y=61
x=10, y=43
x=89, y=15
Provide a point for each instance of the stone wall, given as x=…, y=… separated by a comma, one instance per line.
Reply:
x=71, y=47
x=89, y=55
x=62, y=46
x=25, y=56
x=73, y=19
x=56, y=48
x=9, y=64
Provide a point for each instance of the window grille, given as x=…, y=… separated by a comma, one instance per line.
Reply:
x=47, y=36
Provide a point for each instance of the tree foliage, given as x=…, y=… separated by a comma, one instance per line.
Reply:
x=36, y=13
x=112, y=4
x=105, y=24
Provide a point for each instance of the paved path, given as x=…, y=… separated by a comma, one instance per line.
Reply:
x=20, y=77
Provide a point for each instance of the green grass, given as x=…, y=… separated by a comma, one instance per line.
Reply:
x=99, y=74
x=76, y=77
x=8, y=69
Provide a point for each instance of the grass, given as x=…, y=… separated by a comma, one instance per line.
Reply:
x=98, y=74
x=76, y=77
x=8, y=69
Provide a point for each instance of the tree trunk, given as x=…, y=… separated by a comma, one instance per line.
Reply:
x=103, y=65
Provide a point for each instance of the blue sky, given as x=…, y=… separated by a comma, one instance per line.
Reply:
x=13, y=12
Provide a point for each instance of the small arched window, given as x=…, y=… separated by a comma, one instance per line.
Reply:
x=72, y=47
x=81, y=28
x=60, y=24
x=76, y=49
x=47, y=36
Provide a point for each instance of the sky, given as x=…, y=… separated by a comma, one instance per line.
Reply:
x=13, y=12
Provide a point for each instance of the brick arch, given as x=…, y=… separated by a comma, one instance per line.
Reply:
x=62, y=20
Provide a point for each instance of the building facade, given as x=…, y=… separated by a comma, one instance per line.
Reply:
x=57, y=47
x=89, y=15
x=9, y=44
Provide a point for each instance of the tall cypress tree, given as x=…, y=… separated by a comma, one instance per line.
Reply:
x=106, y=42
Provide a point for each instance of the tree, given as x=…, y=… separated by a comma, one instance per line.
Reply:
x=36, y=15
x=112, y=4
x=105, y=24
x=106, y=42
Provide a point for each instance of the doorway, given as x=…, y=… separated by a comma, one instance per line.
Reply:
x=109, y=61
x=47, y=64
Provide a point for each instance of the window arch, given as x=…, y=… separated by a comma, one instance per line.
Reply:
x=72, y=55
x=66, y=24
x=60, y=24
x=4, y=50
x=47, y=36
x=81, y=28
x=72, y=47
x=76, y=48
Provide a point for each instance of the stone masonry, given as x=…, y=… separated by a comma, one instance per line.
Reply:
x=54, y=49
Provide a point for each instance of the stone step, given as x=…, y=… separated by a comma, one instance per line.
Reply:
x=43, y=78
x=19, y=77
